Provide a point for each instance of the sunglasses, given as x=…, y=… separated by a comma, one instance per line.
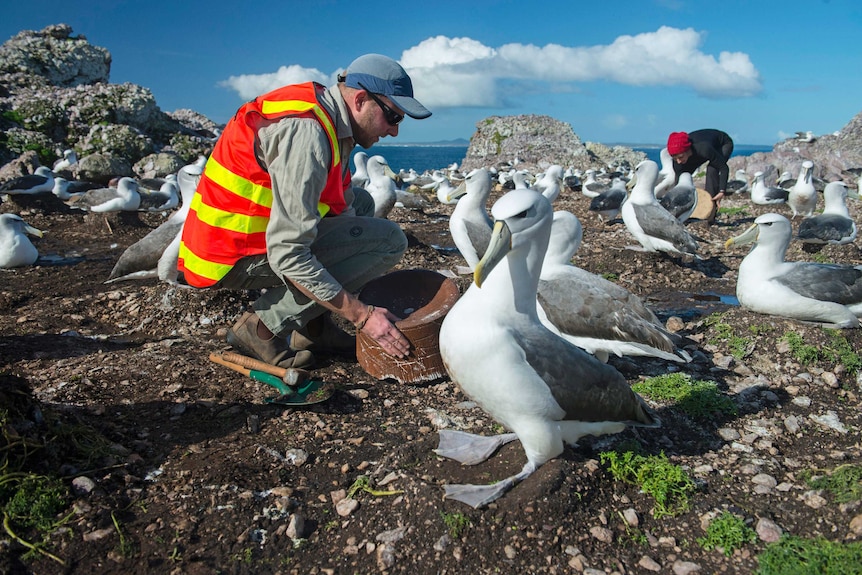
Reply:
x=393, y=118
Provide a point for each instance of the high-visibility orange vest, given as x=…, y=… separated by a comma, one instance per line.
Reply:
x=231, y=206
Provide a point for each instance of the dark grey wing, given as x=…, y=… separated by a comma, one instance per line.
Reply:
x=825, y=228
x=659, y=223
x=586, y=311
x=145, y=253
x=825, y=282
x=677, y=201
x=480, y=236
x=585, y=388
x=609, y=200
x=777, y=194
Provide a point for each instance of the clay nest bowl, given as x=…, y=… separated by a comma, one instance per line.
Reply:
x=423, y=298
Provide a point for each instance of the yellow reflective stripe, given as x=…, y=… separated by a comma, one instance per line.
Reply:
x=322, y=209
x=276, y=107
x=247, y=189
x=217, y=218
x=330, y=130
x=202, y=267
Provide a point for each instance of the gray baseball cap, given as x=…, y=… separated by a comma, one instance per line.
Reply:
x=383, y=75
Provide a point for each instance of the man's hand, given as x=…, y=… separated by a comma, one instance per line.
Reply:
x=380, y=326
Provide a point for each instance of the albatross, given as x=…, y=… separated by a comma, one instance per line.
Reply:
x=381, y=185
x=16, y=249
x=470, y=224
x=765, y=195
x=802, y=197
x=547, y=391
x=654, y=227
x=42, y=180
x=123, y=198
x=828, y=294
x=834, y=225
x=155, y=255
x=591, y=312
x=681, y=200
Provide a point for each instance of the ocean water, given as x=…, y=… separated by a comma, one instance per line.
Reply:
x=422, y=158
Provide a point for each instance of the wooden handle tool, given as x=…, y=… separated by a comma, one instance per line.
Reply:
x=255, y=374
x=292, y=376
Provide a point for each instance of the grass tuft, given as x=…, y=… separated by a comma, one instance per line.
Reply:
x=697, y=398
x=728, y=533
x=656, y=476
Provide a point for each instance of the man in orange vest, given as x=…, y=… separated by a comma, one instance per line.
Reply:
x=275, y=209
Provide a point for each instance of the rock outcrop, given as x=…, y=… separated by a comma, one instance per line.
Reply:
x=55, y=95
x=537, y=142
x=832, y=155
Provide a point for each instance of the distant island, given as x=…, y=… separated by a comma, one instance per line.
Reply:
x=456, y=143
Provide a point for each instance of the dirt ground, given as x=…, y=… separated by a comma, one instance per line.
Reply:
x=192, y=471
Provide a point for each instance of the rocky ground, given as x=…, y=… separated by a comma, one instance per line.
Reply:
x=177, y=465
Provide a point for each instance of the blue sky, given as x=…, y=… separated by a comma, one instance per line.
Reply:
x=616, y=71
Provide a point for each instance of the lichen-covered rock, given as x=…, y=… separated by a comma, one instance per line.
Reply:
x=830, y=153
x=536, y=142
x=158, y=165
x=100, y=168
x=54, y=54
x=117, y=140
x=56, y=85
x=23, y=165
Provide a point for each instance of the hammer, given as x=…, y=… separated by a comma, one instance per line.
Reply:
x=292, y=376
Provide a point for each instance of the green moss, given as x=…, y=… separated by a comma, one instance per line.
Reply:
x=728, y=533
x=797, y=556
x=697, y=398
x=656, y=476
x=844, y=483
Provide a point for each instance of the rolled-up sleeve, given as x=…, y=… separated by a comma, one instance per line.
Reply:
x=297, y=154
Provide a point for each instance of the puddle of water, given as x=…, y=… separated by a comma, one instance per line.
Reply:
x=690, y=306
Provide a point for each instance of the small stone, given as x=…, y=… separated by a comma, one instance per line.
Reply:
x=385, y=557
x=685, y=568
x=603, y=534
x=768, y=530
x=648, y=563
x=510, y=552
x=346, y=506
x=856, y=525
x=83, y=485
x=728, y=433
x=813, y=499
x=765, y=480
x=631, y=517
x=296, y=526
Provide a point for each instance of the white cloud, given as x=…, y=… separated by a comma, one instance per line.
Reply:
x=460, y=72
x=249, y=86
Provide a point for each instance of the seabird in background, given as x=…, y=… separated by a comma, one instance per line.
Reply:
x=549, y=184
x=591, y=186
x=123, y=198
x=764, y=195
x=470, y=224
x=681, y=200
x=828, y=294
x=42, y=180
x=609, y=203
x=653, y=226
x=591, y=312
x=739, y=183
x=16, y=249
x=666, y=175
x=381, y=185
x=360, y=178
x=156, y=254
x=167, y=197
x=547, y=391
x=69, y=159
x=802, y=197
x=834, y=225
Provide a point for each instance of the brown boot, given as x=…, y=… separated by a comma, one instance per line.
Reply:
x=324, y=336
x=274, y=351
